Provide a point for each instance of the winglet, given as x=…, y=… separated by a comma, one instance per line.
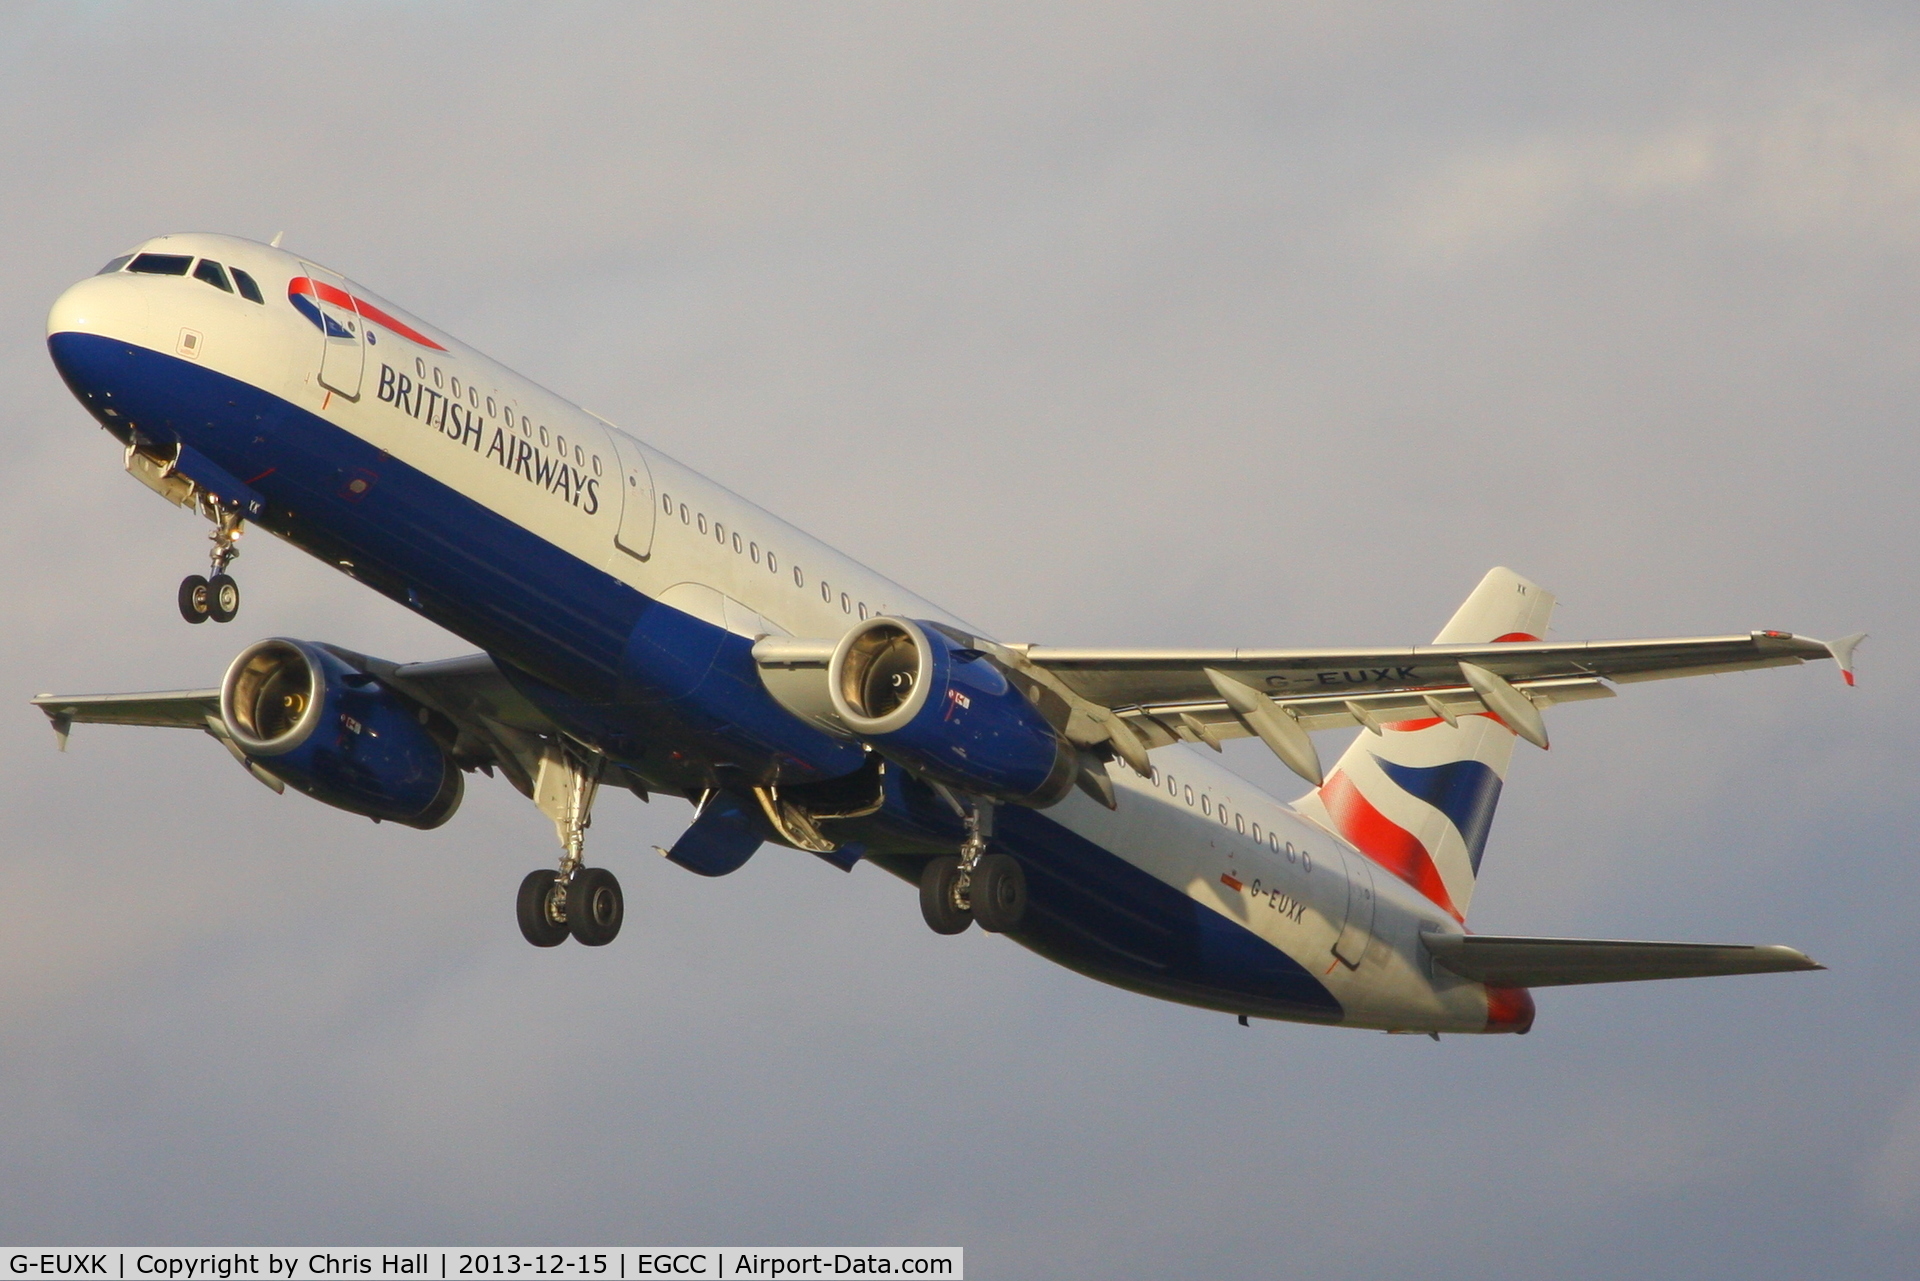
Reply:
x=1842, y=651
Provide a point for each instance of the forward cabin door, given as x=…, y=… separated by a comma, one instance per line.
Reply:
x=343, y=352
x=635, y=535
x=1358, y=930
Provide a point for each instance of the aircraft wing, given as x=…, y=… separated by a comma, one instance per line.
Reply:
x=1542, y=962
x=493, y=723
x=1145, y=698
x=172, y=709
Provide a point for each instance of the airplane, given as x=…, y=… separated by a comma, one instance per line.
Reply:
x=639, y=626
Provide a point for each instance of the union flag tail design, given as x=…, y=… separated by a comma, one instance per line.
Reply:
x=1418, y=797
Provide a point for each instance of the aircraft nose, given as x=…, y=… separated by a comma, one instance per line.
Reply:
x=91, y=329
x=110, y=306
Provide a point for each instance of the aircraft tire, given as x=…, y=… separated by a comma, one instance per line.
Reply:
x=536, y=916
x=595, y=906
x=940, y=900
x=223, y=598
x=999, y=893
x=194, y=598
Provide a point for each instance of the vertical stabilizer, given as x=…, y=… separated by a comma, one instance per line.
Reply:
x=1418, y=797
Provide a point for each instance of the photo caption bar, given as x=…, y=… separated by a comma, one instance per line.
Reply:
x=450, y=1263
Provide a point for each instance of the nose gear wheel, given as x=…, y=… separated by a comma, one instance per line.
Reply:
x=195, y=605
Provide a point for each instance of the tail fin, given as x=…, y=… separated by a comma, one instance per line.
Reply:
x=1418, y=797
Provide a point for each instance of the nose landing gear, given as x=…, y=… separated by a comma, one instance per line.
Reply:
x=216, y=596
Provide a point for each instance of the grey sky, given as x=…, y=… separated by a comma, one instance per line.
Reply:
x=1103, y=324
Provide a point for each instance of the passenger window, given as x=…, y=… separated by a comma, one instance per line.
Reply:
x=456, y=388
x=737, y=545
x=1189, y=794
x=773, y=567
x=720, y=534
x=846, y=603
x=248, y=289
x=701, y=521
x=1206, y=805
x=863, y=611
x=213, y=273
x=826, y=591
x=115, y=265
x=684, y=518
x=666, y=501
x=1240, y=824
x=753, y=549
x=161, y=264
x=1256, y=833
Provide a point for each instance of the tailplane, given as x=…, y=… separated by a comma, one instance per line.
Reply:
x=1418, y=796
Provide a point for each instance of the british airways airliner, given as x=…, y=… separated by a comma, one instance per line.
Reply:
x=639, y=627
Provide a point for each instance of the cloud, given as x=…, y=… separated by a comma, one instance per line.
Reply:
x=1835, y=152
x=1890, y=1184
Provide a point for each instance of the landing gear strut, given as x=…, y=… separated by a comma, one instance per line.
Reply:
x=216, y=596
x=575, y=900
x=957, y=890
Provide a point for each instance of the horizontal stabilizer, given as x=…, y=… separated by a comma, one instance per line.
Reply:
x=1529, y=962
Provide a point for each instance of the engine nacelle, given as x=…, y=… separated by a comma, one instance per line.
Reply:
x=947, y=712
x=337, y=734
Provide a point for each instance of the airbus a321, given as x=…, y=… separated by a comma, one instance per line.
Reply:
x=641, y=628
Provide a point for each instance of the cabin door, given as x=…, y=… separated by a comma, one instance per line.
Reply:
x=343, y=352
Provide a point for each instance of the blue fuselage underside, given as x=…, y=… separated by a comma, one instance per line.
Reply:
x=673, y=697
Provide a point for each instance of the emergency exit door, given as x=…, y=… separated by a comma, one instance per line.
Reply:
x=635, y=535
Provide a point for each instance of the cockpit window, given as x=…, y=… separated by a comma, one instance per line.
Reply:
x=213, y=273
x=162, y=264
x=248, y=290
x=115, y=265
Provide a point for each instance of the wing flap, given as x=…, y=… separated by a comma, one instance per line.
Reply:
x=1506, y=961
x=1164, y=723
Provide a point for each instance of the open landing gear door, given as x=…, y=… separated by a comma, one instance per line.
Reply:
x=343, y=353
x=635, y=536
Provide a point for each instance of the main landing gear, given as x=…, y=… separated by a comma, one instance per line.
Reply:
x=574, y=900
x=957, y=890
x=216, y=596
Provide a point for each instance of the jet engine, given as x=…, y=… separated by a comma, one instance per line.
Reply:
x=337, y=734
x=947, y=712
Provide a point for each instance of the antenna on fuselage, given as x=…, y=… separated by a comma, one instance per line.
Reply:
x=275, y=242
